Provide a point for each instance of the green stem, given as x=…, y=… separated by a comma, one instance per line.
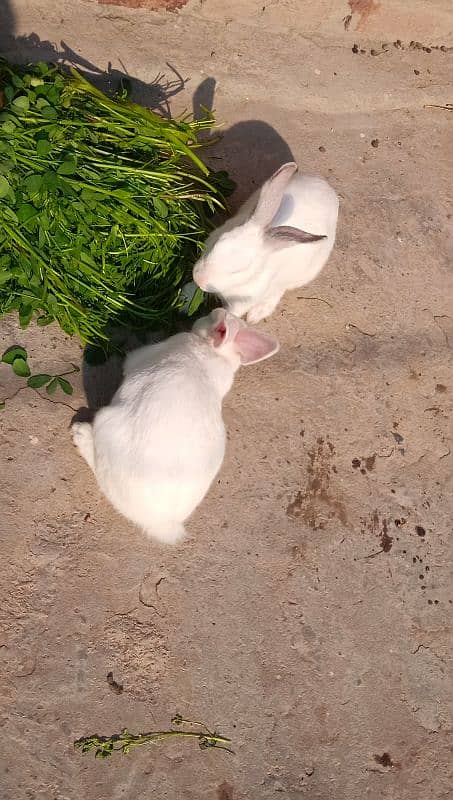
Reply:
x=69, y=372
x=104, y=746
x=157, y=736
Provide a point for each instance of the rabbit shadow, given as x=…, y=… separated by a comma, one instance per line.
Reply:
x=251, y=151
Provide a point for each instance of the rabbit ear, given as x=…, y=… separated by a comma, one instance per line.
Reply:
x=224, y=327
x=285, y=235
x=271, y=194
x=253, y=346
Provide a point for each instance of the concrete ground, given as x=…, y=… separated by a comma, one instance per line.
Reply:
x=309, y=613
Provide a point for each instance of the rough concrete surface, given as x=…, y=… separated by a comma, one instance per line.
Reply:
x=309, y=613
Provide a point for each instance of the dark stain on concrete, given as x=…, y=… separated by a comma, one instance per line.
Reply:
x=316, y=504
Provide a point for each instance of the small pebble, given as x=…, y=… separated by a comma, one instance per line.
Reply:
x=417, y=71
x=374, y=52
x=363, y=51
x=322, y=149
x=355, y=48
x=375, y=143
x=385, y=45
x=443, y=48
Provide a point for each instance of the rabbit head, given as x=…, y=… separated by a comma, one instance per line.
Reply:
x=233, y=264
x=233, y=340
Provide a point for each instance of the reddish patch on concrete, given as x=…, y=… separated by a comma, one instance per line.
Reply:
x=152, y=5
x=365, y=8
x=225, y=791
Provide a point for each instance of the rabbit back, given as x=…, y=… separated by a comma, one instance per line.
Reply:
x=159, y=445
x=309, y=203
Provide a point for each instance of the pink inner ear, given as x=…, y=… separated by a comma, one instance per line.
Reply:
x=254, y=346
x=219, y=334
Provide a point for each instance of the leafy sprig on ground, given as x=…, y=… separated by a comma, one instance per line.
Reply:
x=105, y=746
x=17, y=358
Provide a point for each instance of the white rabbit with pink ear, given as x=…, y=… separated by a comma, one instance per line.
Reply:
x=280, y=239
x=157, y=447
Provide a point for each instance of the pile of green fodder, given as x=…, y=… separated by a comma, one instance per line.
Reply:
x=104, y=205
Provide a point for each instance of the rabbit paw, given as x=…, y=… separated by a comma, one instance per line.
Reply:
x=82, y=437
x=260, y=311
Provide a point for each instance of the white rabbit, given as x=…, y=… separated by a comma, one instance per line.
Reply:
x=253, y=258
x=157, y=447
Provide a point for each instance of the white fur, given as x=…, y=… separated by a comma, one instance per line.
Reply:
x=157, y=447
x=248, y=266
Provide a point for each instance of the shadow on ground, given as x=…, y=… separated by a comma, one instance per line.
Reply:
x=230, y=150
x=233, y=147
